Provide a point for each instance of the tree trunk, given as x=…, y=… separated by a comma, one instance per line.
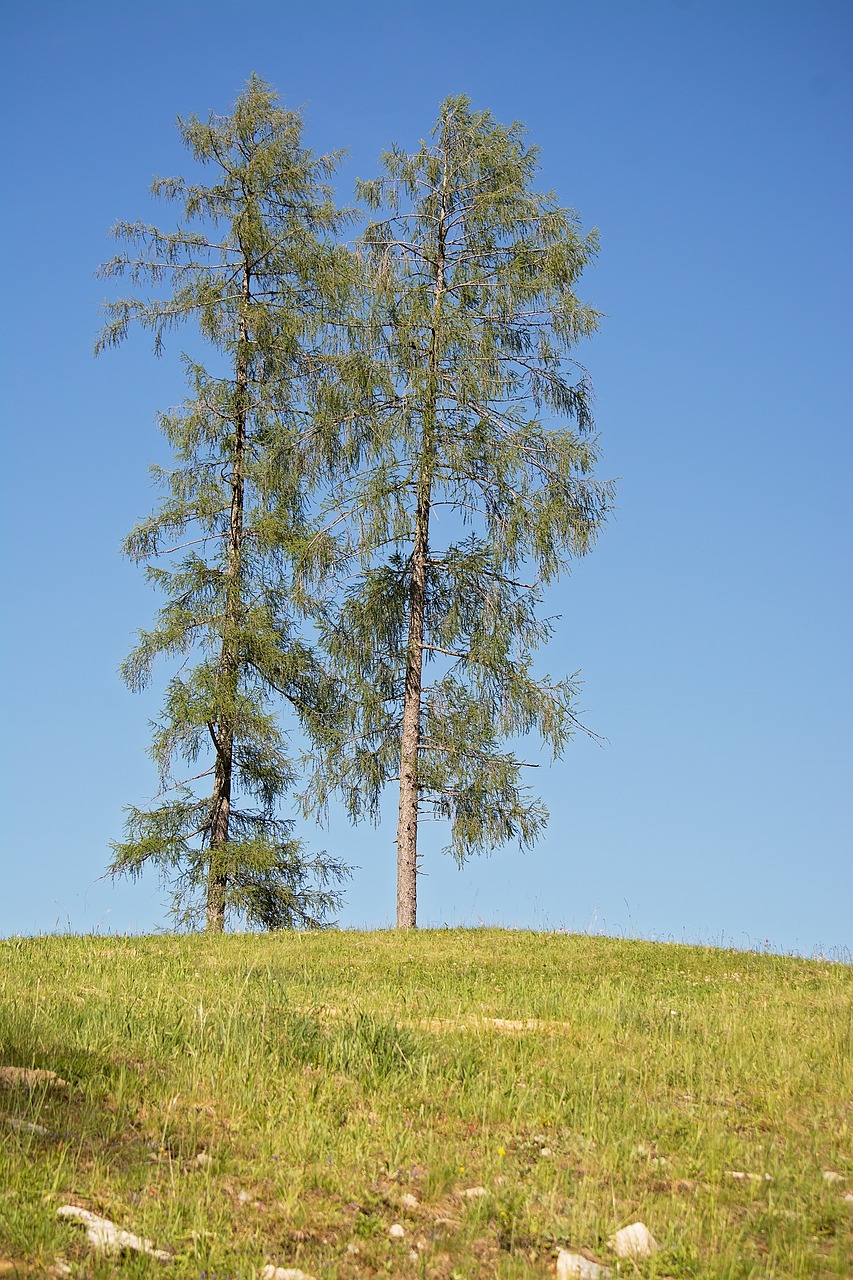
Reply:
x=407, y=821
x=217, y=879
x=407, y=824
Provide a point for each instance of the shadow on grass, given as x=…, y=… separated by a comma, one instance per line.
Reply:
x=69, y=1126
x=49, y=1090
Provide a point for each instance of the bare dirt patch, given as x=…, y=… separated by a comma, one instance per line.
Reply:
x=511, y=1026
x=30, y=1078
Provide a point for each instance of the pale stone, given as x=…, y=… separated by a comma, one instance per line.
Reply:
x=408, y=1201
x=829, y=1175
x=413, y=1255
x=635, y=1241
x=546, y=1152
x=397, y=1231
x=27, y=1126
x=474, y=1193
x=574, y=1266
x=284, y=1273
x=105, y=1235
x=849, y=1197
x=203, y=1159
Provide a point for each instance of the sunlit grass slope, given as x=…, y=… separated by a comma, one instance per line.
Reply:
x=249, y=1100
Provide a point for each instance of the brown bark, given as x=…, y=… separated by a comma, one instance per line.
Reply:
x=407, y=821
x=217, y=880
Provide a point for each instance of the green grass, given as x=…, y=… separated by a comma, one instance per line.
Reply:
x=323, y=1077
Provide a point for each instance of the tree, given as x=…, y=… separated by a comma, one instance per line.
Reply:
x=253, y=265
x=472, y=316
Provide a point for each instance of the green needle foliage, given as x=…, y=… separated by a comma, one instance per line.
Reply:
x=481, y=419
x=254, y=266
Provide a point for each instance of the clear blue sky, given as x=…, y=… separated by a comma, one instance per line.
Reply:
x=710, y=143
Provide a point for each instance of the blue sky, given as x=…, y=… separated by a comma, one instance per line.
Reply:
x=709, y=143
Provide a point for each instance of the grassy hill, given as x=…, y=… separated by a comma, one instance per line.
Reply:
x=287, y=1099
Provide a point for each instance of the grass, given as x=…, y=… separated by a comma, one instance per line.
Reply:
x=271, y=1099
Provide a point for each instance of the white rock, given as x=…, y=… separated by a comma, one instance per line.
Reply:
x=61, y=1267
x=203, y=1158
x=545, y=1152
x=413, y=1255
x=635, y=1241
x=829, y=1175
x=753, y=1177
x=474, y=1193
x=572, y=1265
x=397, y=1232
x=849, y=1197
x=105, y=1235
x=408, y=1201
x=284, y=1273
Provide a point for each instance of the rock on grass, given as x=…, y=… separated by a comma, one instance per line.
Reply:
x=284, y=1273
x=109, y=1238
x=635, y=1241
x=574, y=1266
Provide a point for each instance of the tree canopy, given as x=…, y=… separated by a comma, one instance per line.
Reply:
x=480, y=416
x=387, y=461
x=255, y=264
